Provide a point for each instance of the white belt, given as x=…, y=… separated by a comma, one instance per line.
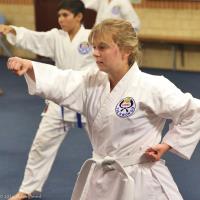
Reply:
x=107, y=163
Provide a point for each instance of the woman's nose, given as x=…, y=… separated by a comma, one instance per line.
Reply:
x=95, y=53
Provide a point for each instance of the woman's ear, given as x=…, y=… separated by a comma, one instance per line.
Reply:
x=125, y=54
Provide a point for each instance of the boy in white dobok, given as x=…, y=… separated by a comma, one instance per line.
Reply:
x=69, y=48
x=115, y=9
x=126, y=111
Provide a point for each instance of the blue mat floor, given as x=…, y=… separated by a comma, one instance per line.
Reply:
x=19, y=119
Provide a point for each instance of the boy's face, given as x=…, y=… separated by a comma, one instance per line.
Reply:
x=67, y=20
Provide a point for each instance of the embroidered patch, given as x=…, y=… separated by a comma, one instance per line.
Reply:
x=84, y=48
x=116, y=10
x=126, y=107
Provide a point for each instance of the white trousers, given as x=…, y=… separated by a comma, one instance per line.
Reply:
x=44, y=149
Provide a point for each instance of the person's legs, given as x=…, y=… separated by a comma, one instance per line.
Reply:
x=42, y=155
x=1, y=92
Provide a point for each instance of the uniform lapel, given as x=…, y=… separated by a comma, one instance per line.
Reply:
x=109, y=99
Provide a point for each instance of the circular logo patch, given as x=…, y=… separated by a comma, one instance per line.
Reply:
x=115, y=10
x=84, y=48
x=126, y=107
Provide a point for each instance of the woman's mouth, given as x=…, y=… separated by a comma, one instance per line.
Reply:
x=99, y=62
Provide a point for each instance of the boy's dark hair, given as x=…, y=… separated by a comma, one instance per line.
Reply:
x=75, y=6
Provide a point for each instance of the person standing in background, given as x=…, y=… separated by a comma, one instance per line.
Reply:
x=117, y=9
x=69, y=48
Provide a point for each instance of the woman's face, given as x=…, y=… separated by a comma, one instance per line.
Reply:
x=108, y=56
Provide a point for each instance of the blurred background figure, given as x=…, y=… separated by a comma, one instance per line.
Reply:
x=116, y=9
x=5, y=49
x=1, y=92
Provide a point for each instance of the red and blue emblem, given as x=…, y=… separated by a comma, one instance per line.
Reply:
x=126, y=107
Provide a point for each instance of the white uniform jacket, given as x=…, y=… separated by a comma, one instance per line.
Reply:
x=57, y=45
x=118, y=9
x=122, y=124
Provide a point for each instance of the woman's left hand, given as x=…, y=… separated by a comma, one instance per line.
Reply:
x=156, y=152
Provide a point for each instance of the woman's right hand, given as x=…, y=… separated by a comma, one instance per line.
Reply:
x=20, y=66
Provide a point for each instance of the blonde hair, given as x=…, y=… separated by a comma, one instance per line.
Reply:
x=122, y=33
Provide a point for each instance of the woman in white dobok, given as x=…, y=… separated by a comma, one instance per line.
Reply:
x=126, y=110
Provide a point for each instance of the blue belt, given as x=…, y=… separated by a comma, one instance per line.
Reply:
x=78, y=117
x=79, y=122
x=63, y=114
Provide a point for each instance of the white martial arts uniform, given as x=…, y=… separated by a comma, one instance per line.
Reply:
x=77, y=53
x=123, y=123
x=118, y=9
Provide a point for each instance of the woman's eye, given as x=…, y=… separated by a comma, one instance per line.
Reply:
x=102, y=47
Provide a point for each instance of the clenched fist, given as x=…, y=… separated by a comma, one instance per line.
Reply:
x=20, y=66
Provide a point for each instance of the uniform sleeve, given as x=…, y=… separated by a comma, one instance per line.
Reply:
x=129, y=14
x=92, y=4
x=184, y=111
x=64, y=87
x=41, y=43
